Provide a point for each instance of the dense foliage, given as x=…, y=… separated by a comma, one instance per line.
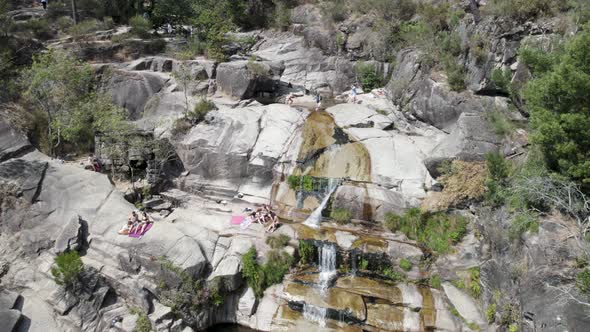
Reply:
x=260, y=276
x=559, y=102
x=438, y=231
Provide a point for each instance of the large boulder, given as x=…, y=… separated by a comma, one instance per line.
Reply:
x=12, y=143
x=368, y=201
x=246, y=79
x=471, y=140
x=132, y=89
x=10, y=320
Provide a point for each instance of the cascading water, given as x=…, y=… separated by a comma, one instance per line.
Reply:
x=327, y=262
x=315, y=217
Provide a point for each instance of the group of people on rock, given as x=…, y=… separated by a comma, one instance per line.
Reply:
x=265, y=215
x=136, y=223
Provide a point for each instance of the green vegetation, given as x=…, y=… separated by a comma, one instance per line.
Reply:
x=341, y=216
x=500, y=123
x=521, y=223
x=67, y=268
x=256, y=68
x=491, y=313
x=455, y=74
x=405, y=264
x=277, y=241
x=368, y=76
x=305, y=183
x=502, y=80
x=140, y=26
x=474, y=283
x=583, y=280
x=143, y=322
x=307, y=252
x=201, y=109
x=61, y=87
x=392, y=274
x=183, y=293
x=557, y=101
x=260, y=277
x=523, y=10
x=437, y=231
x=435, y=281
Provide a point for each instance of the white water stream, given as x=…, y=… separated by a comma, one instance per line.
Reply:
x=327, y=262
x=315, y=217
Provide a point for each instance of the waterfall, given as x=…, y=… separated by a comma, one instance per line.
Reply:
x=327, y=263
x=315, y=217
x=315, y=314
x=327, y=266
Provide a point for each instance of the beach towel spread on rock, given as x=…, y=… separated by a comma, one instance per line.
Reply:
x=236, y=220
x=138, y=234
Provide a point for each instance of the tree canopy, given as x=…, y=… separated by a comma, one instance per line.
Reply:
x=559, y=103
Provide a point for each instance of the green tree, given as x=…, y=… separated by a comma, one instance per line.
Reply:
x=175, y=12
x=67, y=268
x=559, y=104
x=62, y=87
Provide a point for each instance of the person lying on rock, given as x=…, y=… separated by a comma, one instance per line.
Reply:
x=274, y=223
x=145, y=220
x=125, y=230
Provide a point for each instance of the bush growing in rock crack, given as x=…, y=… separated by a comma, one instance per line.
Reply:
x=341, y=216
x=261, y=276
x=277, y=241
x=68, y=267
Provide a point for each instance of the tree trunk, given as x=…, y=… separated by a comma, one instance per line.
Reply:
x=74, y=12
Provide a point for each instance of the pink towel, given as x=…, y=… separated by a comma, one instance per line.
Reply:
x=147, y=228
x=236, y=220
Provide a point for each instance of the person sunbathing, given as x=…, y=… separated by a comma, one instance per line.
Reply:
x=125, y=230
x=274, y=224
x=145, y=221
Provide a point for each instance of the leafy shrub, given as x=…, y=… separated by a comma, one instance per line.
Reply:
x=85, y=27
x=334, y=9
x=307, y=183
x=523, y=222
x=193, y=48
x=200, y=111
x=498, y=172
x=455, y=75
x=450, y=43
x=523, y=10
x=491, y=313
x=259, y=277
x=501, y=79
x=538, y=61
x=307, y=252
x=438, y=231
x=188, y=294
x=67, y=268
x=282, y=16
x=277, y=241
x=143, y=323
x=108, y=22
x=435, y=15
x=392, y=274
x=478, y=48
x=40, y=28
x=435, y=281
x=294, y=182
x=500, y=123
x=257, y=69
x=367, y=75
x=140, y=26
x=64, y=23
x=583, y=280
x=474, y=285
x=341, y=216
x=405, y=264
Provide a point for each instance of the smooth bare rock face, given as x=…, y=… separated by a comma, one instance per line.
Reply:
x=464, y=304
x=306, y=68
x=73, y=235
x=12, y=142
x=236, y=148
x=246, y=79
x=8, y=299
x=427, y=96
x=368, y=201
x=132, y=89
x=23, y=177
x=9, y=320
x=471, y=139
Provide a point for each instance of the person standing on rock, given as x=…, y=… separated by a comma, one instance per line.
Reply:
x=318, y=101
x=353, y=93
x=44, y=4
